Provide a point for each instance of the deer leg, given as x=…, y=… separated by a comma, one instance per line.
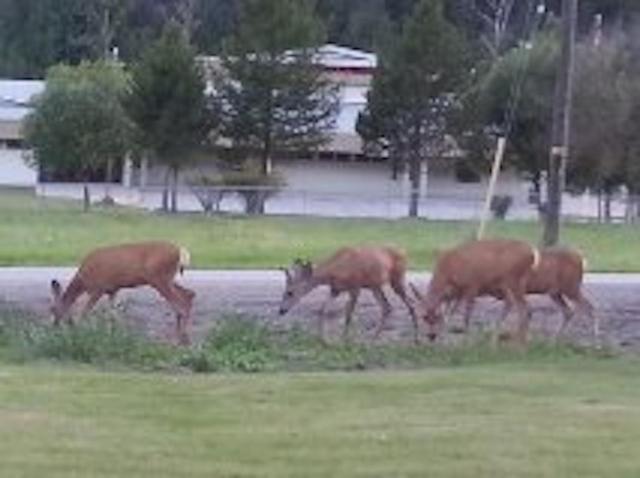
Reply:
x=399, y=289
x=351, y=305
x=378, y=294
x=523, y=317
x=451, y=309
x=567, y=314
x=587, y=310
x=166, y=290
x=469, y=305
x=187, y=296
x=323, y=311
x=91, y=302
x=497, y=324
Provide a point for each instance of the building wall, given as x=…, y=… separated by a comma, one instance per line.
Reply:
x=14, y=171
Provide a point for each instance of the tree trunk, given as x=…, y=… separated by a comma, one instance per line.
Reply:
x=108, y=181
x=86, y=203
x=607, y=206
x=414, y=180
x=395, y=164
x=174, y=190
x=165, y=192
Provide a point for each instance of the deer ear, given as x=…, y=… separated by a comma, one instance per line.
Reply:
x=56, y=288
x=307, y=267
x=416, y=291
x=286, y=272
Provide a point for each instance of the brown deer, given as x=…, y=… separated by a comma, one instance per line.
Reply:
x=483, y=267
x=106, y=270
x=558, y=275
x=350, y=270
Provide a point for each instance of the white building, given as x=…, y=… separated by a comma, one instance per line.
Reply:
x=16, y=99
x=337, y=181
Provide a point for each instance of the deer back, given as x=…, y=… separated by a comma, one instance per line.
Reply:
x=129, y=265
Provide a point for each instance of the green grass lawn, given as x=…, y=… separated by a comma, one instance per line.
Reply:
x=37, y=232
x=563, y=419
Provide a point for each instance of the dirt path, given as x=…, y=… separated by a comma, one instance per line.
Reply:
x=257, y=294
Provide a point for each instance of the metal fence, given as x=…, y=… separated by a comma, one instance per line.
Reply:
x=239, y=200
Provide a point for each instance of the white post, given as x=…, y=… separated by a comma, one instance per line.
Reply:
x=497, y=163
x=424, y=172
x=144, y=172
x=405, y=182
x=127, y=170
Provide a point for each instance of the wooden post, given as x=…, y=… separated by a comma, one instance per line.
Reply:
x=560, y=140
x=495, y=171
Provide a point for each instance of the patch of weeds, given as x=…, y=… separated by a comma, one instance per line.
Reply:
x=235, y=344
x=245, y=344
x=94, y=340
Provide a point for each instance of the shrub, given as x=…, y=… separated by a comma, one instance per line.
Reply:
x=237, y=343
x=500, y=205
x=95, y=340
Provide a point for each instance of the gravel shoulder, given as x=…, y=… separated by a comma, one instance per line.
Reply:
x=257, y=294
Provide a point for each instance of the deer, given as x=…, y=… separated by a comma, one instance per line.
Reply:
x=106, y=270
x=476, y=268
x=559, y=275
x=349, y=270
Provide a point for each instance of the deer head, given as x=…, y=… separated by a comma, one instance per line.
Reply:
x=299, y=282
x=430, y=314
x=58, y=309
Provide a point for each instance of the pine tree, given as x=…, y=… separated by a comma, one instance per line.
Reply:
x=273, y=97
x=168, y=103
x=414, y=90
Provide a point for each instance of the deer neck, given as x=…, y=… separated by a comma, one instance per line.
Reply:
x=436, y=293
x=318, y=278
x=71, y=294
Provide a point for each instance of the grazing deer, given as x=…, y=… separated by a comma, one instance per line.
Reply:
x=350, y=270
x=559, y=275
x=106, y=270
x=483, y=267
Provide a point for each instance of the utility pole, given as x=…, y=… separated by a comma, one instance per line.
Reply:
x=561, y=134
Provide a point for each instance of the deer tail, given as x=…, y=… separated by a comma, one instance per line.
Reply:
x=184, y=260
x=536, y=258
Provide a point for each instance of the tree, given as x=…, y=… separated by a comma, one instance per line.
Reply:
x=607, y=107
x=272, y=96
x=517, y=94
x=36, y=34
x=363, y=24
x=413, y=92
x=79, y=124
x=168, y=105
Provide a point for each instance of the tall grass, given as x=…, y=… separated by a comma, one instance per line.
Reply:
x=245, y=344
x=99, y=340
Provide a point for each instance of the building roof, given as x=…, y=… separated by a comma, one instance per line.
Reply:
x=331, y=57
x=340, y=57
x=16, y=98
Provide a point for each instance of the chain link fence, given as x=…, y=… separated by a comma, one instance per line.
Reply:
x=239, y=200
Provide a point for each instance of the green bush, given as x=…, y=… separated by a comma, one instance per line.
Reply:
x=95, y=340
x=236, y=344
x=245, y=344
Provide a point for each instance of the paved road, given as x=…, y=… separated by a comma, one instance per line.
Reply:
x=257, y=294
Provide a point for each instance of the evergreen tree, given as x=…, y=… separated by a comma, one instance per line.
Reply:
x=168, y=105
x=273, y=97
x=414, y=91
